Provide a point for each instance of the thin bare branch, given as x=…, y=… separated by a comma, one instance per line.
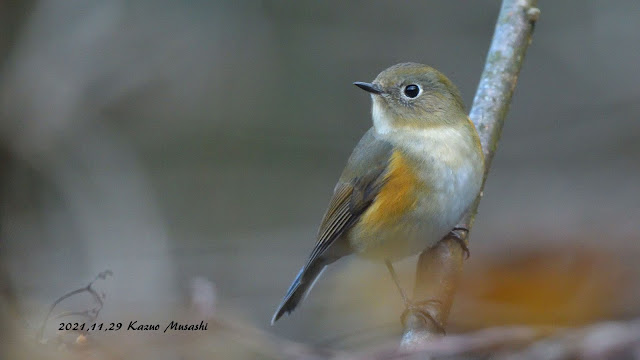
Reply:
x=439, y=268
x=91, y=314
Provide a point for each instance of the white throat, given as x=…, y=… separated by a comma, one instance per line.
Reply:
x=443, y=142
x=380, y=118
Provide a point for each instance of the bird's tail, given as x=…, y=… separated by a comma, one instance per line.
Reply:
x=299, y=288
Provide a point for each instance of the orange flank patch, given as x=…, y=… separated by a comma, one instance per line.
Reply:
x=397, y=195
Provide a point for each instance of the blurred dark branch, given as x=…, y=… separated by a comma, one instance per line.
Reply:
x=439, y=268
x=90, y=314
x=608, y=340
x=8, y=308
x=13, y=15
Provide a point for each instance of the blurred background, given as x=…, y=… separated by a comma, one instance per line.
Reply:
x=173, y=142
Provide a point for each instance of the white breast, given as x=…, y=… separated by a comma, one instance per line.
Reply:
x=451, y=168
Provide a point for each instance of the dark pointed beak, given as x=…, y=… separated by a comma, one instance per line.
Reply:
x=372, y=88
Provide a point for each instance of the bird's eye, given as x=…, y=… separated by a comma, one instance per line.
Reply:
x=412, y=90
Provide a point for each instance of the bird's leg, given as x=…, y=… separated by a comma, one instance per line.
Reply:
x=394, y=276
x=410, y=306
x=459, y=234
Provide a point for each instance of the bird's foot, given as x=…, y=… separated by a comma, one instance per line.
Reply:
x=420, y=309
x=459, y=234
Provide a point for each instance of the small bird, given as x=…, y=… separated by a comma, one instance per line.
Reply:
x=408, y=182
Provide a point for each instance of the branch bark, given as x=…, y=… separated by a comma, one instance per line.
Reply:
x=439, y=268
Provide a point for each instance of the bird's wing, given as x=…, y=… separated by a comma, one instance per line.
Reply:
x=357, y=188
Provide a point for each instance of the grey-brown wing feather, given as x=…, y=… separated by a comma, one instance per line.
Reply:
x=357, y=188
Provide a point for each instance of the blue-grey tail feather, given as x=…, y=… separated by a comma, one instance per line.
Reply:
x=299, y=289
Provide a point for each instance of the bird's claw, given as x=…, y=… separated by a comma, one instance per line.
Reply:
x=454, y=234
